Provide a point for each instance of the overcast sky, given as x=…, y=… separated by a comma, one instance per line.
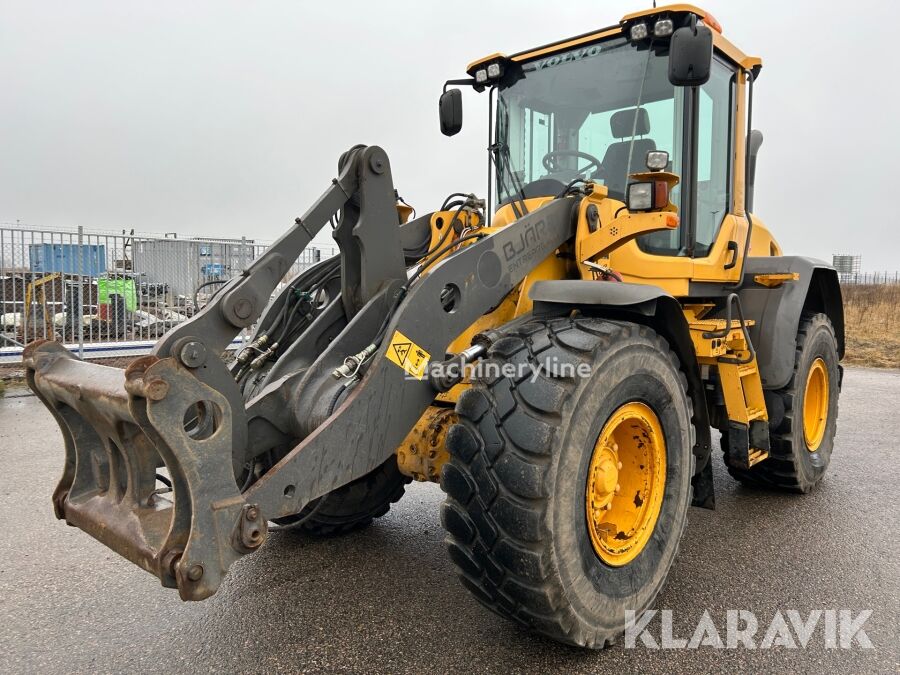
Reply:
x=227, y=118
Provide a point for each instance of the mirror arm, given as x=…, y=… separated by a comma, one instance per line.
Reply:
x=469, y=82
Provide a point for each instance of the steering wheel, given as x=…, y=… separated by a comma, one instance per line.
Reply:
x=550, y=160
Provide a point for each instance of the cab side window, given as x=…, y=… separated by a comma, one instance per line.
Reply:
x=715, y=155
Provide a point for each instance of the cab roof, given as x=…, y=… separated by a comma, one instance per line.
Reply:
x=720, y=42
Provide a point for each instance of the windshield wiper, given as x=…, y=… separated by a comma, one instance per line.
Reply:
x=499, y=153
x=637, y=112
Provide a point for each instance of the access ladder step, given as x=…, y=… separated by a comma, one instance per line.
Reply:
x=748, y=445
x=756, y=414
x=748, y=370
x=756, y=456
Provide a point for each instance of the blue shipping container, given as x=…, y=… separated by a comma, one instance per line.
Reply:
x=64, y=258
x=213, y=270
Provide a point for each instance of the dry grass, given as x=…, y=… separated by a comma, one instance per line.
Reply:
x=872, y=324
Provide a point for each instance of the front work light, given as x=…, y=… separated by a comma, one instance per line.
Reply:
x=663, y=28
x=639, y=31
x=488, y=74
x=647, y=196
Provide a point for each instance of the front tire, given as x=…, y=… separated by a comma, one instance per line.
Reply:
x=352, y=506
x=517, y=507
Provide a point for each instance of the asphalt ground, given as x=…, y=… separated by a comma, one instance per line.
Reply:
x=387, y=599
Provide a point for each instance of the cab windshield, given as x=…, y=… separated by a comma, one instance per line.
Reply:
x=593, y=112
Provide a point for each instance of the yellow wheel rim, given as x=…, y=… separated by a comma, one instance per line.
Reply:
x=625, y=484
x=815, y=405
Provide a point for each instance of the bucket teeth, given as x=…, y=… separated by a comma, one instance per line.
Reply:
x=122, y=429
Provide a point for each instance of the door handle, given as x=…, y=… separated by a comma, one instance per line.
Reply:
x=733, y=248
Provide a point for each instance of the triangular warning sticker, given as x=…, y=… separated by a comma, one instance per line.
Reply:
x=408, y=355
x=401, y=349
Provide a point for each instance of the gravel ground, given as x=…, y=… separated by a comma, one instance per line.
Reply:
x=387, y=600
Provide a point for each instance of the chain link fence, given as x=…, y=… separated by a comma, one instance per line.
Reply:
x=112, y=294
x=115, y=294
x=870, y=278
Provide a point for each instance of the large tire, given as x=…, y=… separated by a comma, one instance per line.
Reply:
x=352, y=506
x=515, y=511
x=792, y=465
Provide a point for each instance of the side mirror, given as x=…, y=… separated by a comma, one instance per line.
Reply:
x=690, y=56
x=450, y=110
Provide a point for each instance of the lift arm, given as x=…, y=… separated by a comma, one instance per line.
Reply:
x=120, y=426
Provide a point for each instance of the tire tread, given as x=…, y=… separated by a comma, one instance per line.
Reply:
x=498, y=541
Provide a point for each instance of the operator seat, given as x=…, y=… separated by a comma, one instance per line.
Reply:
x=615, y=167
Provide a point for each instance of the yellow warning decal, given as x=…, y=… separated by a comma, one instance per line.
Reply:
x=408, y=355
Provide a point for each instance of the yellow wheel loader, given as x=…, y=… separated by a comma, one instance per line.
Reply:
x=555, y=353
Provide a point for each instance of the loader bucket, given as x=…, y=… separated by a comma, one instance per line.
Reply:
x=121, y=448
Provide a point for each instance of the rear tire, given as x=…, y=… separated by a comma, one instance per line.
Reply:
x=795, y=464
x=352, y=506
x=515, y=513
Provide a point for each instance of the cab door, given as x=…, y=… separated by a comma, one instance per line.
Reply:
x=698, y=249
x=718, y=223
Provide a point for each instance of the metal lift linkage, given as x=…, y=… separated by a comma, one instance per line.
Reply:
x=121, y=426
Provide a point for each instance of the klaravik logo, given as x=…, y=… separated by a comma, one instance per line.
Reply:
x=828, y=628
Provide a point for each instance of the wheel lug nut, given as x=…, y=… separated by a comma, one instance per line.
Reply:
x=619, y=466
x=618, y=488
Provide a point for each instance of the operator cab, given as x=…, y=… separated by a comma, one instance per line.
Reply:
x=593, y=113
x=591, y=108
